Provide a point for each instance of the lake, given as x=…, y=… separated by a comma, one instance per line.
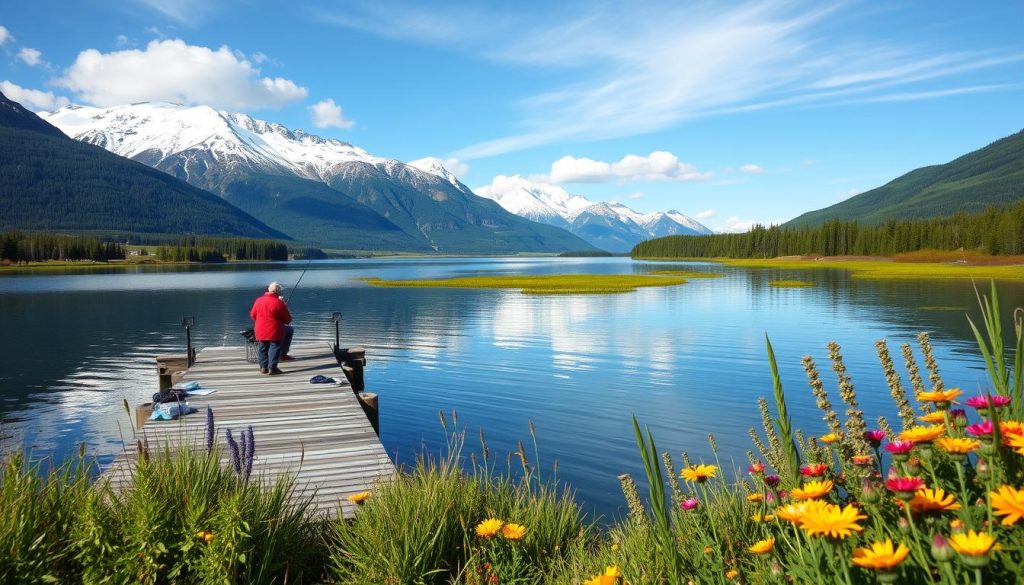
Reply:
x=687, y=360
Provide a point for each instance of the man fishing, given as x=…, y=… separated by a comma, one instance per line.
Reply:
x=272, y=317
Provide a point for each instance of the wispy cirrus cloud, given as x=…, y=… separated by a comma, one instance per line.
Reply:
x=630, y=69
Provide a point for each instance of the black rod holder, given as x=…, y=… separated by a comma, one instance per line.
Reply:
x=190, y=352
x=336, y=318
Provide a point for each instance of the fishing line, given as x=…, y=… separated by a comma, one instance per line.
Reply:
x=309, y=260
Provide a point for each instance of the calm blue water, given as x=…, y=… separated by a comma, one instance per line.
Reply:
x=687, y=360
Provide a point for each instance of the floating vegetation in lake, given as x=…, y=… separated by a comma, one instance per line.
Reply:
x=791, y=283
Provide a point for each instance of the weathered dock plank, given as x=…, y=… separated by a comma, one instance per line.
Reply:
x=318, y=433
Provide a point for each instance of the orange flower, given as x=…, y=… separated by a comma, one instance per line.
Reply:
x=699, y=473
x=755, y=498
x=934, y=418
x=957, y=445
x=1009, y=502
x=922, y=434
x=829, y=438
x=863, y=459
x=939, y=396
x=880, y=556
x=610, y=577
x=932, y=500
x=732, y=574
x=972, y=544
x=795, y=512
x=489, y=527
x=513, y=531
x=763, y=517
x=812, y=490
x=359, y=498
x=833, y=521
x=762, y=546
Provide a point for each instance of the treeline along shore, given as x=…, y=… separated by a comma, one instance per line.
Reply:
x=996, y=231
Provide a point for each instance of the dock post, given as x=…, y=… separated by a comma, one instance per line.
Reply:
x=371, y=406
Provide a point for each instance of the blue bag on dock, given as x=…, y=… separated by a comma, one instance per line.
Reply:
x=170, y=410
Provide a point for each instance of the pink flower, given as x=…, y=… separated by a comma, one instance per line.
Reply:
x=782, y=495
x=772, y=480
x=689, y=504
x=904, y=484
x=997, y=401
x=814, y=470
x=982, y=429
x=899, y=447
x=874, y=437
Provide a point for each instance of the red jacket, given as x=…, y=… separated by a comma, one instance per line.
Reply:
x=271, y=315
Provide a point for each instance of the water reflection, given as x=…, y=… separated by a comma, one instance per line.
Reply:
x=687, y=360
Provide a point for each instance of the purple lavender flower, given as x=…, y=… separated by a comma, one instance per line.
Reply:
x=249, y=454
x=209, y=430
x=236, y=460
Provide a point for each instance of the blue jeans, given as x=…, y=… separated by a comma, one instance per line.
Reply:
x=269, y=351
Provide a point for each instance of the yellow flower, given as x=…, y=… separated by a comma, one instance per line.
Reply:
x=972, y=544
x=939, y=395
x=1009, y=502
x=513, y=531
x=489, y=527
x=359, y=498
x=1016, y=442
x=932, y=500
x=812, y=490
x=708, y=550
x=763, y=517
x=934, y=418
x=958, y=445
x=922, y=434
x=755, y=498
x=762, y=546
x=204, y=536
x=732, y=574
x=612, y=571
x=699, y=473
x=610, y=577
x=831, y=520
x=795, y=512
x=615, y=546
x=829, y=438
x=881, y=555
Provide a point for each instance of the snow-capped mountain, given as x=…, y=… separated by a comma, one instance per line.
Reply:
x=315, y=189
x=611, y=226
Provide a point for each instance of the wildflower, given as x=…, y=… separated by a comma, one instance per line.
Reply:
x=973, y=547
x=934, y=418
x=762, y=546
x=941, y=398
x=814, y=470
x=795, y=512
x=783, y=494
x=831, y=520
x=609, y=577
x=732, y=574
x=922, y=434
x=755, y=498
x=756, y=468
x=204, y=536
x=772, y=480
x=359, y=498
x=1008, y=501
x=763, y=517
x=489, y=527
x=880, y=556
x=812, y=490
x=904, y=487
x=1016, y=442
x=869, y=490
x=984, y=402
x=899, y=449
x=615, y=546
x=956, y=524
x=982, y=429
x=699, y=473
x=863, y=459
x=513, y=531
x=708, y=550
x=829, y=438
x=957, y=446
x=874, y=437
x=941, y=550
x=932, y=500
x=1011, y=427
x=689, y=504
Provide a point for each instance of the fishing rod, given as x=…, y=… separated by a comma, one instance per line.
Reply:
x=309, y=260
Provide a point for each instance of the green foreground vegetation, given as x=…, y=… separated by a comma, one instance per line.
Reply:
x=543, y=283
x=939, y=502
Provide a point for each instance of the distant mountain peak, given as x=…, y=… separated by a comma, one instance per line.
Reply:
x=435, y=166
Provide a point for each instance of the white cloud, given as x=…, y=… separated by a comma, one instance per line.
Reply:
x=751, y=169
x=632, y=68
x=5, y=35
x=456, y=166
x=33, y=99
x=706, y=214
x=636, y=195
x=327, y=114
x=735, y=225
x=123, y=41
x=183, y=11
x=30, y=56
x=174, y=71
x=657, y=166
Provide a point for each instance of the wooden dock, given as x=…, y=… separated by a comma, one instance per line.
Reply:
x=323, y=426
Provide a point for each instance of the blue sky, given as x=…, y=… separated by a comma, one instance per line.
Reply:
x=755, y=111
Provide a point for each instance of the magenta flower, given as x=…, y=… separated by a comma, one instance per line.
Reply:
x=782, y=495
x=904, y=484
x=772, y=480
x=899, y=447
x=689, y=504
x=982, y=429
x=874, y=437
x=997, y=401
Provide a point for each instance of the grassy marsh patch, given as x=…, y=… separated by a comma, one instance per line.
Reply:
x=791, y=283
x=687, y=273
x=542, y=284
x=887, y=269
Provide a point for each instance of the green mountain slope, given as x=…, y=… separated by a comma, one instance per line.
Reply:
x=993, y=175
x=51, y=182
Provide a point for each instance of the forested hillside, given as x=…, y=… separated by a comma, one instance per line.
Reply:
x=994, y=231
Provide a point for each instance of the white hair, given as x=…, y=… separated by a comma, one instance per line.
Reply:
x=275, y=288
